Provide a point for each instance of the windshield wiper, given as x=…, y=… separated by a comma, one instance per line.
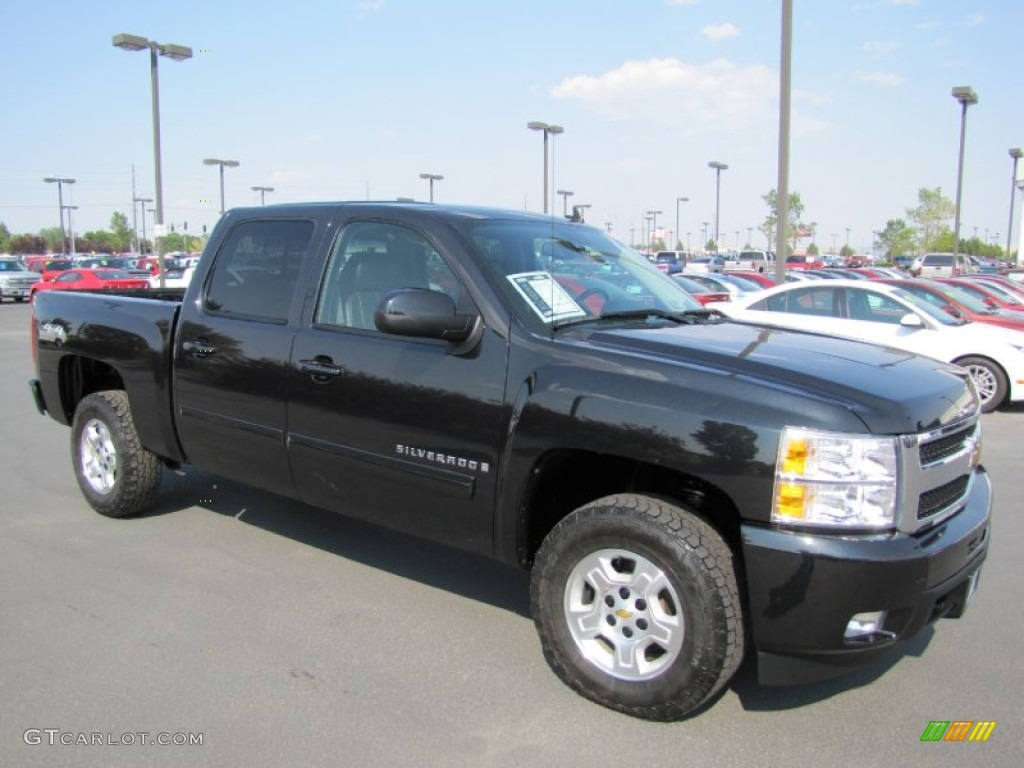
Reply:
x=685, y=317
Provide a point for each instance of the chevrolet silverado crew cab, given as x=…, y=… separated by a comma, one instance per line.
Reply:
x=686, y=490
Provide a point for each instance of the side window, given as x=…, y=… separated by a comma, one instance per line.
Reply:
x=810, y=301
x=257, y=268
x=371, y=259
x=882, y=309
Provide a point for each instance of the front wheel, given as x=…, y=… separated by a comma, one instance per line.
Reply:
x=989, y=380
x=637, y=607
x=118, y=477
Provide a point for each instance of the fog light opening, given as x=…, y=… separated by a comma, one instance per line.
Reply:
x=867, y=627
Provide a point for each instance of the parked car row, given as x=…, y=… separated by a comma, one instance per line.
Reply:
x=975, y=321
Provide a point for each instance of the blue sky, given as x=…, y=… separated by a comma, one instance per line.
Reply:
x=356, y=98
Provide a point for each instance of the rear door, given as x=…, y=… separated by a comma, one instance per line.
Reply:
x=233, y=349
x=401, y=431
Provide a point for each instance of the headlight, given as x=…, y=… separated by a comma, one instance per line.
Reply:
x=835, y=480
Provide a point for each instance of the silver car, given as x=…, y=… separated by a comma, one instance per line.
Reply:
x=15, y=281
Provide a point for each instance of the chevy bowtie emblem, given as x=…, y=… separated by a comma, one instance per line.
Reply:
x=622, y=613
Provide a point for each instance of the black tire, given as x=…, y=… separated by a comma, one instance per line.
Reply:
x=989, y=379
x=118, y=477
x=637, y=607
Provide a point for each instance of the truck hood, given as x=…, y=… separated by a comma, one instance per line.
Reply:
x=884, y=386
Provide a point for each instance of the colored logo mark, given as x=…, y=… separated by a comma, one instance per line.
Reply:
x=958, y=730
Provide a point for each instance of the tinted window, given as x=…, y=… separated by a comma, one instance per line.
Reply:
x=807, y=301
x=371, y=259
x=257, y=268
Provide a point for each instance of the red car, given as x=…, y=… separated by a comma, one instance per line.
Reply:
x=957, y=302
x=90, y=280
x=992, y=296
x=700, y=291
x=757, y=277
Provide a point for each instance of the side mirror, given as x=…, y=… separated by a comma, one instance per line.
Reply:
x=910, y=320
x=950, y=309
x=423, y=313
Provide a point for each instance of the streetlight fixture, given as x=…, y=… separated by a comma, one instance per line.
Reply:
x=966, y=96
x=718, y=168
x=565, y=193
x=263, y=192
x=143, y=200
x=174, y=53
x=221, y=163
x=654, y=228
x=1015, y=154
x=60, y=181
x=679, y=232
x=431, y=177
x=578, y=211
x=552, y=130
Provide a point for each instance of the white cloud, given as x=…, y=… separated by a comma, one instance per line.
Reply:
x=880, y=78
x=705, y=93
x=903, y=2
x=880, y=46
x=975, y=20
x=718, y=32
x=370, y=6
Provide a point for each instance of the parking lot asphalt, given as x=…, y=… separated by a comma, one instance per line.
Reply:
x=281, y=635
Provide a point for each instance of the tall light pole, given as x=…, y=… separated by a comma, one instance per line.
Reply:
x=1015, y=155
x=654, y=228
x=966, y=96
x=71, y=229
x=718, y=168
x=705, y=245
x=60, y=181
x=221, y=163
x=143, y=200
x=263, y=192
x=565, y=193
x=679, y=232
x=174, y=53
x=431, y=177
x=549, y=130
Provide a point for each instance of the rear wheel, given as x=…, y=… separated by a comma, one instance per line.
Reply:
x=118, y=477
x=637, y=607
x=989, y=380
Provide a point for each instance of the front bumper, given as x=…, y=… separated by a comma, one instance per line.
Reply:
x=804, y=588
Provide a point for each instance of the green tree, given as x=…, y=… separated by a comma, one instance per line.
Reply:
x=5, y=238
x=120, y=233
x=52, y=237
x=931, y=219
x=795, y=212
x=897, y=238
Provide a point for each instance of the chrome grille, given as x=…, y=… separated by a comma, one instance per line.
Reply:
x=937, y=468
x=945, y=446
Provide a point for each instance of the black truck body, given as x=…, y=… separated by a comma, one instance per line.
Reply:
x=461, y=393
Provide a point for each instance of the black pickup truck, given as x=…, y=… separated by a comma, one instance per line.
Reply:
x=685, y=489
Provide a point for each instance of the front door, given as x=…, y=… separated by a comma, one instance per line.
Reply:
x=396, y=430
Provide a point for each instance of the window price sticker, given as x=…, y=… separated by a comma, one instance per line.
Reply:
x=548, y=299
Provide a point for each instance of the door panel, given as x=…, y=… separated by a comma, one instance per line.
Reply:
x=233, y=354
x=395, y=430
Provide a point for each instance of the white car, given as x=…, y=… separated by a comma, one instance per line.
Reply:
x=174, y=277
x=888, y=315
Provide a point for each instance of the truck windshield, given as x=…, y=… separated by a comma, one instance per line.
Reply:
x=557, y=273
